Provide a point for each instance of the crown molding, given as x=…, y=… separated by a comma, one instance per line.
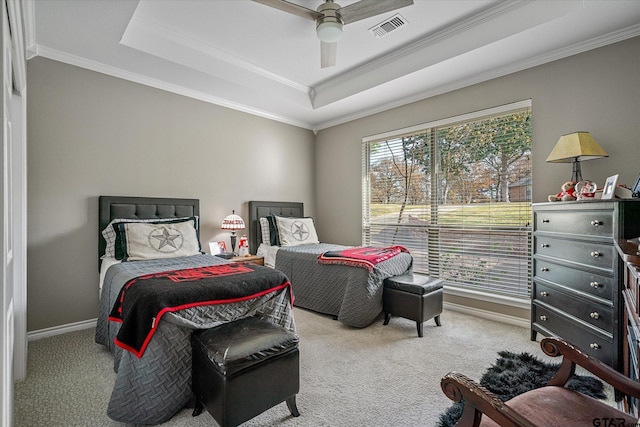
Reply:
x=141, y=28
x=591, y=44
x=427, y=51
x=594, y=43
x=159, y=84
x=423, y=43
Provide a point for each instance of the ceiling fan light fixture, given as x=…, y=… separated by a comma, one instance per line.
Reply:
x=329, y=25
x=330, y=19
x=329, y=31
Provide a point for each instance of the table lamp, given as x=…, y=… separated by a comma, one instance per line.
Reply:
x=573, y=148
x=233, y=222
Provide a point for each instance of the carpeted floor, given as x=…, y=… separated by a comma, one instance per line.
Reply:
x=380, y=375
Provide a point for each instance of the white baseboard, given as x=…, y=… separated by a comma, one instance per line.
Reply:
x=62, y=329
x=491, y=315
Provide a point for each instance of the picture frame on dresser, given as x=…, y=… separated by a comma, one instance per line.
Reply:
x=609, y=188
x=214, y=248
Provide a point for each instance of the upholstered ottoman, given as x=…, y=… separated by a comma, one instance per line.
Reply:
x=414, y=297
x=242, y=368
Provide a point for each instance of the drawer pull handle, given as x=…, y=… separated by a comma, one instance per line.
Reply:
x=594, y=346
x=546, y=221
x=595, y=285
x=544, y=294
x=594, y=315
x=544, y=269
x=543, y=318
x=544, y=245
x=596, y=254
x=596, y=222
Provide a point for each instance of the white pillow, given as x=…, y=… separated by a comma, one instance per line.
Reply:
x=152, y=241
x=110, y=234
x=296, y=231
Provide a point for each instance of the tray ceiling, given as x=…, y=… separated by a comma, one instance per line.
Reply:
x=250, y=57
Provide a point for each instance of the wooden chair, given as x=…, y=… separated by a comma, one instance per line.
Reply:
x=551, y=405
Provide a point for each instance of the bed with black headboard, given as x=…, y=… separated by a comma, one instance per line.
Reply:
x=259, y=210
x=351, y=294
x=112, y=207
x=153, y=382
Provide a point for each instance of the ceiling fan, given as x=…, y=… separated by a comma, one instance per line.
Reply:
x=330, y=17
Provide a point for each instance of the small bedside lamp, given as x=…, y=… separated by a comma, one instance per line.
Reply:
x=233, y=222
x=573, y=148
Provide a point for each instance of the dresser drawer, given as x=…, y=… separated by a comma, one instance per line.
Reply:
x=592, y=254
x=597, y=314
x=581, y=281
x=589, y=223
x=589, y=341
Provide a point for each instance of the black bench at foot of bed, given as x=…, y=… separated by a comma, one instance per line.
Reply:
x=242, y=368
x=414, y=297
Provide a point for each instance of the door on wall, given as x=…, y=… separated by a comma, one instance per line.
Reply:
x=6, y=256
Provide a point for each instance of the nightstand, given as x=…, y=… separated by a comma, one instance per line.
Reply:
x=249, y=258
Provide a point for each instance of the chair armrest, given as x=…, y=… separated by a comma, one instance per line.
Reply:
x=572, y=356
x=477, y=401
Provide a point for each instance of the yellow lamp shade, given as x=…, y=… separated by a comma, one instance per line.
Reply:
x=576, y=146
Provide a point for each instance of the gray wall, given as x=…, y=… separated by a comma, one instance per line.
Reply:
x=597, y=91
x=90, y=134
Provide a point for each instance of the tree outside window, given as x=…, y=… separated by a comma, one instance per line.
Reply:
x=458, y=196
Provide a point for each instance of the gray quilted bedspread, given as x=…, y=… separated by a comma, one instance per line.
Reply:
x=151, y=389
x=352, y=294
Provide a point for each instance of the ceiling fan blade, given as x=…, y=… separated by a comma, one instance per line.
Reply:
x=328, y=54
x=292, y=8
x=368, y=8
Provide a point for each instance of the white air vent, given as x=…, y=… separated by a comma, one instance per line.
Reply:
x=388, y=25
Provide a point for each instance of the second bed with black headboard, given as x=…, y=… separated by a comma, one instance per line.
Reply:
x=153, y=375
x=353, y=295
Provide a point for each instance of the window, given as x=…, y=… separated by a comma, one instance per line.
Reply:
x=457, y=194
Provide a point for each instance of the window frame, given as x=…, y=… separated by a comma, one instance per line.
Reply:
x=367, y=142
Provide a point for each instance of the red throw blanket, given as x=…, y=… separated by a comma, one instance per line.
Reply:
x=365, y=257
x=142, y=301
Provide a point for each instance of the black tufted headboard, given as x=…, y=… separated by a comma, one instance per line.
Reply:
x=111, y=207
x=258, y=210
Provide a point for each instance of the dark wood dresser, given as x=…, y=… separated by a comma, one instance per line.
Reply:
x=578, y=275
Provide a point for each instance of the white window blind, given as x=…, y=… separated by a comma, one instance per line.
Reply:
x=457, y=194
